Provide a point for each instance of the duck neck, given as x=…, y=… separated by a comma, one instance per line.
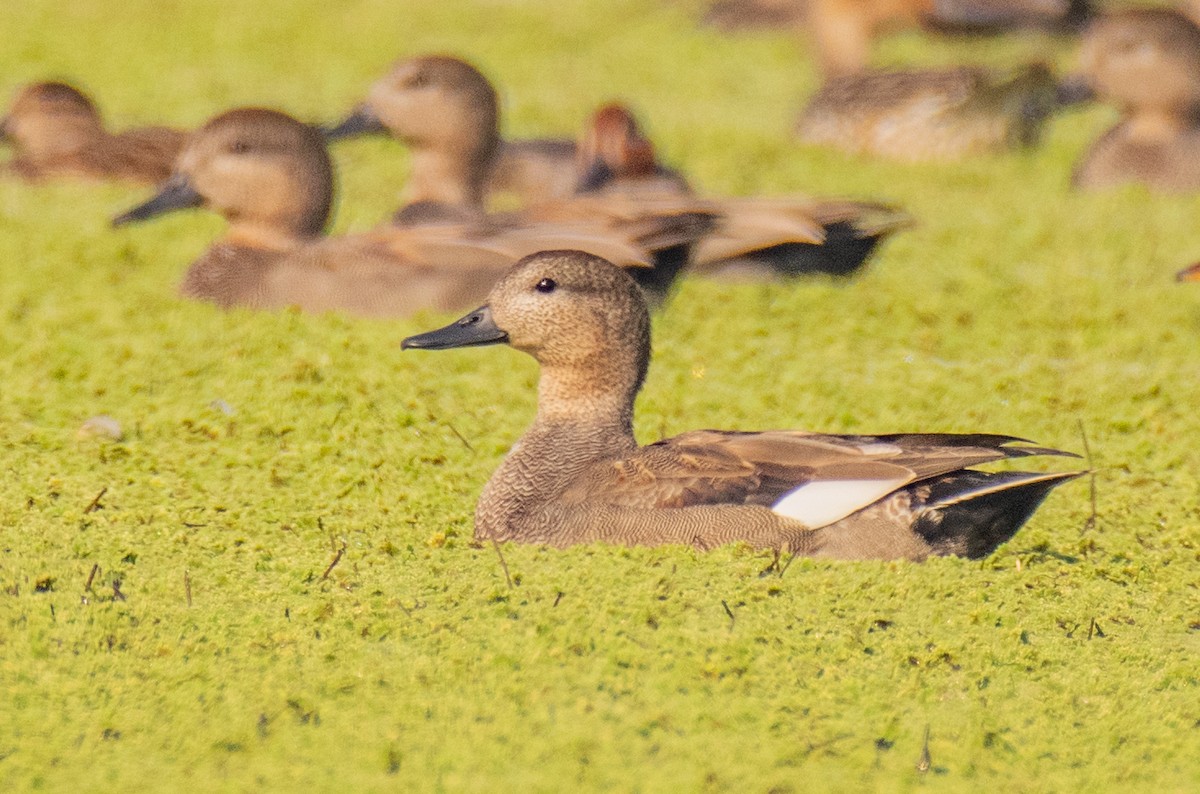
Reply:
x=266, y=236
x=573, y=430
x=451, y=176
x=1159, y=124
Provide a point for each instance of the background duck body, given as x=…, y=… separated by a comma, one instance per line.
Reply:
x=1147, y=63
x=56, y=130
x=752, y=237
x=271, y=178
x=579, y=476
x=938, y=114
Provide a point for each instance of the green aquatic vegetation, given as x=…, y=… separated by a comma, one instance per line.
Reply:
x=267, y=581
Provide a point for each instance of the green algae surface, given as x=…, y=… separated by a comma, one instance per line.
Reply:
x=235, y=549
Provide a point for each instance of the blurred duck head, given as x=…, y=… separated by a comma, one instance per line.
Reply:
x=434, y=101
x=1143, y=60
x=613, y=147
x=268, y=174
x=50, y=120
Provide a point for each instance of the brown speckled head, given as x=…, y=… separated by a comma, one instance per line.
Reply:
x=51, y=119
x=268, y=174
x=1144, y=59
x=579, y=316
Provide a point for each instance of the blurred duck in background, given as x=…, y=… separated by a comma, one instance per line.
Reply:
x=54, y=130
x=843, y=31
x=447, y=112
x=1146, y=62
x=616, y=158
x=931, y=114
x=271, y=178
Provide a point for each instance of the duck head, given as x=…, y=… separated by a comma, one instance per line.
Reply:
x=1144, y=61
x=613, y=147
x=583, y=319
x=268, y=174
x=49, y=120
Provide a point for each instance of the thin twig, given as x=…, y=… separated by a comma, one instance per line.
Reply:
x=558, y=597
x=925, y=762
x=95, y=505
x=91, y=576
x=1087, y=453
x=729, y=612
x=503, y=564
x=336, y=559
x=461, y=438
x=187, y=586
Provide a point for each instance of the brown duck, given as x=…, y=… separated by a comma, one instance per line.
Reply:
x=55, y=130
x=270, y=177
x=843, y=31
x=930, y=114
x=447, y=113
x=1147, y=63
x=579, y=476
x=616, y=158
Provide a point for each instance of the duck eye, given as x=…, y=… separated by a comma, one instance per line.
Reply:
x=418, y=80
x=546, y=285
x=239, y=147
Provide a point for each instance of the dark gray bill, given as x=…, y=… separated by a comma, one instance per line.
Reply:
x=1074, y=90
x=597, y=175
x=176, y=193
x=477, y=328
x=361, y=121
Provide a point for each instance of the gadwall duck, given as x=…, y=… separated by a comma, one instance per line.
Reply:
x=270, y=176
x=843, y=31
x=579, y=476
x=616, y=158
x=1147, y=63
x=446, y=111
x=55, y=130
x=931, y=114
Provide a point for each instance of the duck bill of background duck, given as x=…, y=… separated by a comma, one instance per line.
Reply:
x=477, y=328
x=361, y=121
x=1189, y=273
x=176, y=193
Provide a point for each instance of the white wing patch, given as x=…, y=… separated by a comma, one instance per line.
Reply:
x=820, y=503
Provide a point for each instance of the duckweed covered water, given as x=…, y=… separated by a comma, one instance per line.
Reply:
x=267, y=582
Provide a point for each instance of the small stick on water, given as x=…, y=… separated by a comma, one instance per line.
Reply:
x=95, y=505
x=461, y=438
x=336, y=559
x=503, y=564
x=558, y=597
x=925, y=763
x=187, y=586
x=91, y=577
x=117, y=594
x=729, y=612
x=1087, y=455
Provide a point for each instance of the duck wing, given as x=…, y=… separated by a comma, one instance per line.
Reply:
x=813, y=478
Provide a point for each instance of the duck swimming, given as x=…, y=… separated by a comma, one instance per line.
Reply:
x=271, y=178
x=843, y=31
x=1147, y=63
x=446, y=111
x=579, y=476
x=617, y=159
x=55, y=130
x=930, y=114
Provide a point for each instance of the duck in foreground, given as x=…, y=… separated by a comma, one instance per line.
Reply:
x=930, y=114
x=447, y=112
x=270, y=176
x=1147, y=63
x=579, y=476
x=55, y=130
